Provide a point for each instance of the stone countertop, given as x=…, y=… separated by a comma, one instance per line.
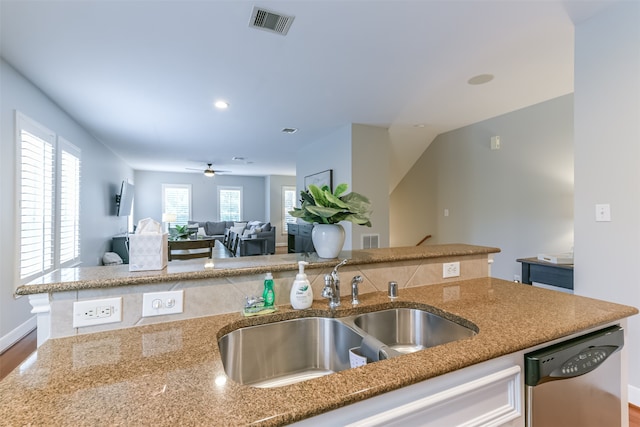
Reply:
x=71, y=279
x=172, y=374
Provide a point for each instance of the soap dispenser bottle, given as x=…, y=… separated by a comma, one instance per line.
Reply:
x=268, y=294
x=301, y=292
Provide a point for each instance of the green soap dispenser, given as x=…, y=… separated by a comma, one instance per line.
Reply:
x=268, y=294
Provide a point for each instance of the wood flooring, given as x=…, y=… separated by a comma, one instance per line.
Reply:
x=634, y=416
x=17, y=353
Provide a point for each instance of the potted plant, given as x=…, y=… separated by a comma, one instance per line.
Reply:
x=326, y=209
x=181, y=232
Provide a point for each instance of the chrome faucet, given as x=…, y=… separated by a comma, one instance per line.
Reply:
x=354, y=289
x=331, y=288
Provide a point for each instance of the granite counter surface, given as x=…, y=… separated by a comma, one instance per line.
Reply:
x=70, y=279
x=171, y=373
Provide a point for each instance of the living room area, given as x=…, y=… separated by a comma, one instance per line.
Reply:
x=243, y=215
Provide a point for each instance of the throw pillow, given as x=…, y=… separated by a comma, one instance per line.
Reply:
x=214, y=228
x=237, y=230
x=240, y=224
x=247, y=232
x=253, y=223
x=266, y=227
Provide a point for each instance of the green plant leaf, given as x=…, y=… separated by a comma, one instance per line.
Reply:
x=341, y=188
x=319, y=205
x=335, y=200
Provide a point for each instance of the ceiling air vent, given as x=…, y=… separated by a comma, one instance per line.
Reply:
x=270, y=21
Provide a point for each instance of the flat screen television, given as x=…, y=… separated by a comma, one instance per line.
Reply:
x=124, y=200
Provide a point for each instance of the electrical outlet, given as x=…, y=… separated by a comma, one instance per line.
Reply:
x=450, y=269
x=97, y=312
x=160, y=303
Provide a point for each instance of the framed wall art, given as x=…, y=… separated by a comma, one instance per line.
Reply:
x=320, y=179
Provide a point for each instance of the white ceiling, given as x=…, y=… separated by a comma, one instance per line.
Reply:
x=142, y=75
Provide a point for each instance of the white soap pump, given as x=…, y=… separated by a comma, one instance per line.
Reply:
x=301, y=292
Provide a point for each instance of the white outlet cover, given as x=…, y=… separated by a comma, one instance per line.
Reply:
x=450, y=269
x=169, y=302
x=86, y=313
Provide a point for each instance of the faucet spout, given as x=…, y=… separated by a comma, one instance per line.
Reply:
x=331, y=288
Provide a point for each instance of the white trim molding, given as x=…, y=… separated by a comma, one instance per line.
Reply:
x=17, y=334
x=634, y=395
x=42, y=309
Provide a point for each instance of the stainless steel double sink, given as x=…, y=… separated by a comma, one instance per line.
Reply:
x=290, y=351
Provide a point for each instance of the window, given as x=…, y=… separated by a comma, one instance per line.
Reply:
x=48, y=210
x=176, y=199
x=69, y=202
x=230, y=203
x=288, y=203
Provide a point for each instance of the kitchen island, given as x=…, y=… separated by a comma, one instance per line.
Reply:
x=172, y=374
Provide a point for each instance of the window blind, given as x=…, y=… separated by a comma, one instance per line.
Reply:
x=48, y=209
x=230, y=203
x=176, y=200
x=69, y=203
x=36, y=201
x=288, y=203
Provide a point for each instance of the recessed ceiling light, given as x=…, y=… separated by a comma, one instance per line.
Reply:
x=222, y=105
x=480, y=79
x=289, y=130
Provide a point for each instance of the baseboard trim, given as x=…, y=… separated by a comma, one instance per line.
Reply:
x=634, y=396
x=17, y=334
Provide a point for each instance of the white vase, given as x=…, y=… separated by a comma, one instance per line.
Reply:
x=328, y=239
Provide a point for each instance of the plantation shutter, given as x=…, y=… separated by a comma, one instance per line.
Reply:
x=69, y=203
x=289, y=202
x=36, y=206
x=177, y=200
x=230, y=203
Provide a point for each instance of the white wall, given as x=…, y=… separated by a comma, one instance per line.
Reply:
x=359, y=157
x=370, y=177
x=607, y=164
x=101, y=174
x=518, y=198
x=331, y=152
x=204, y=194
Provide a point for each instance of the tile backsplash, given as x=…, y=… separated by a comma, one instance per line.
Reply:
x=206, y=297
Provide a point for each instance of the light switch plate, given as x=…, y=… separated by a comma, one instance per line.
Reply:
x=161, y=303
x=603, y=213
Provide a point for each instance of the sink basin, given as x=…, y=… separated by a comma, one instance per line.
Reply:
x=407, y=330
x=286, y=352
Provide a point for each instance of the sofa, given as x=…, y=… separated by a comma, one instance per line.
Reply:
x=217, y=230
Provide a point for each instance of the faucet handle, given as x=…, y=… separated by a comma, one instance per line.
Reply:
x=327, y=292
x=354, y=289
x=393, y=290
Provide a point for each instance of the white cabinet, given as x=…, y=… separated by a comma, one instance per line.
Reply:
x=487, y=394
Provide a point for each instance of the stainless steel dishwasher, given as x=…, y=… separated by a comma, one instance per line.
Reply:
x=576, y=382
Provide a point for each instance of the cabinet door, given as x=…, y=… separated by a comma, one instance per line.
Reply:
x=487, y=394
x=493, y=400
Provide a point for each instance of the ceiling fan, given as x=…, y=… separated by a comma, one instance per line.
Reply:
x=209, y=172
